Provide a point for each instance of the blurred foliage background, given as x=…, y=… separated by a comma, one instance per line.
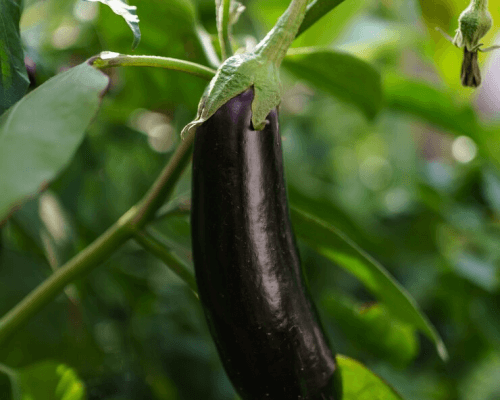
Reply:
x=418, y=188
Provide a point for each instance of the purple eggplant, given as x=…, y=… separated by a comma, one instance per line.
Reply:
x=250, y=281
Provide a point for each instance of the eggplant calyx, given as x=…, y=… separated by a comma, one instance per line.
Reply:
x=237, y=74
x=258, y=69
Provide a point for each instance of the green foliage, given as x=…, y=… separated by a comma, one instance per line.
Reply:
x=404, y=186
x=47, y=380
x=364, y=384
x=373, y=329
x=342, y=251
x=341, y=75
x=315, y=11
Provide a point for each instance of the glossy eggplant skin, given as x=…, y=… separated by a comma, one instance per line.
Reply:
x=247, y=265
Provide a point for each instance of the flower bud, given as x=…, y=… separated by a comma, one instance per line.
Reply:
x=474, y=22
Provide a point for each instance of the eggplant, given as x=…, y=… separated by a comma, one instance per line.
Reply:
x=251, y=284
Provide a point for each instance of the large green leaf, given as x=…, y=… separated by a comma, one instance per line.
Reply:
x=13, y=77
x=339, y=74
x=41, y=132
x=48, y=380
x=372, y=329
x=338, y=248
x=359, y=383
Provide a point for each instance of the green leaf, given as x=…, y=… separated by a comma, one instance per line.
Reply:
x=13, y=76
x=315, y=11
x=334, y=245
x=359, y=383
x=41, y=132
x=340, y=75
x=430, y=103
x=129, y=14
x=442, y=109
x=372, y=329
x=48, y=380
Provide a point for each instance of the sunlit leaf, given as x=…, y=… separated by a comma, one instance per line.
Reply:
x=48, y=380
x=359, y=383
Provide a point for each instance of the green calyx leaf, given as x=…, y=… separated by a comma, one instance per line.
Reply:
x=235, y=75
x=259, y=69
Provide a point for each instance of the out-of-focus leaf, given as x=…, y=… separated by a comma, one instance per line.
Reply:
x=440, y=108
x=359, y=383
x=480, y=272
x=48, y=380
x=484, y=314
x=315, y=11
x=13, y=76
x=491, y=188
x=482, y=383
x=373, y=329
x=41, y=132
x=46, y=222
x=339, y=74
x=129, y=14
x=334, y=245
x=430, y=103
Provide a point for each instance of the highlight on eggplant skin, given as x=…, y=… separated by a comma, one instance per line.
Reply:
x=251, y=285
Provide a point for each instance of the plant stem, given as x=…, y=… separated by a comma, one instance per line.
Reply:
x=151, y=242
x=83, y=262
x=164, y=185
x=223, y=26
x=276, y=43
x=108, y=59
x=181, y=205
x=102, y=247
